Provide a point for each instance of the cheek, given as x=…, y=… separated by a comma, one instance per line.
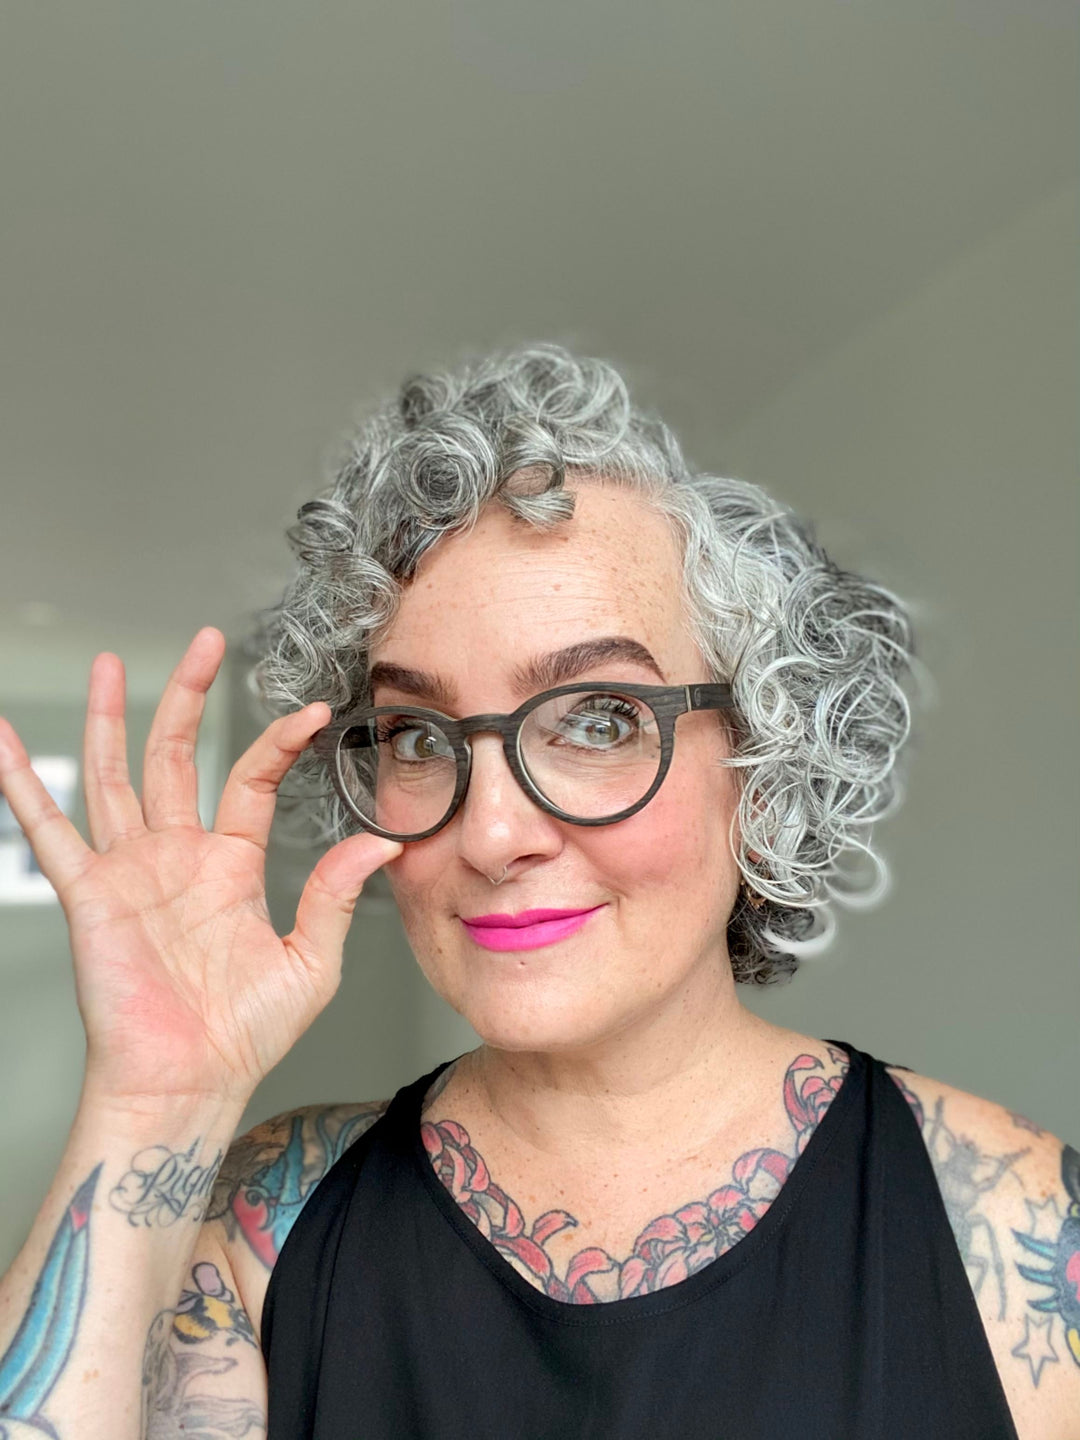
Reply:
x=680, y=835
x=413, y=883
x=414, y=880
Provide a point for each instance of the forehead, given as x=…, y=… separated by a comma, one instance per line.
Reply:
x=507, y=589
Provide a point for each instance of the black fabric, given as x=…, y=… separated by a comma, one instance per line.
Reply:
x=845, y=1313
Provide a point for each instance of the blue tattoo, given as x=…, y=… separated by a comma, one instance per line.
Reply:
x=32, y=1363
x=1056, y=1239
x=264, y=1204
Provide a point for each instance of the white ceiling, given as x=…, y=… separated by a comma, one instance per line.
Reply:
x=225, y=224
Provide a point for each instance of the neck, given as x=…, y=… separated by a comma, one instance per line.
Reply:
x=668, y=1082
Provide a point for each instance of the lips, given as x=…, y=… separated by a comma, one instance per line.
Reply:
x=525, y=933
x=523, y=918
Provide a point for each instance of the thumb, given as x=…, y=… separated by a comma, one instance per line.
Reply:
x=329, y=898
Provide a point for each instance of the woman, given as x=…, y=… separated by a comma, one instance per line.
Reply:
x=534, y=653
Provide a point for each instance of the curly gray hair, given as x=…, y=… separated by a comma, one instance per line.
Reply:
x=815, y=654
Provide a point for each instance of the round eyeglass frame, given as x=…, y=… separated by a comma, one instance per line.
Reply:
x=667, y=703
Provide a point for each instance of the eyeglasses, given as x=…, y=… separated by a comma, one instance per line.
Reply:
x=589, y=754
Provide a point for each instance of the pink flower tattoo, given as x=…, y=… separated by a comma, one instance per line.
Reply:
x=671, y=1247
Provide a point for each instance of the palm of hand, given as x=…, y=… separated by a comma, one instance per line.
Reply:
x=182, y=981
x=183, y=985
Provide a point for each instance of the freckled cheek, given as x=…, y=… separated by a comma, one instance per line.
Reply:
x=426, y=920
x=414, y=876
x=676, y=834
x=433, y=937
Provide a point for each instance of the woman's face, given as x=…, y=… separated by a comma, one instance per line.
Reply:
x=480, y=606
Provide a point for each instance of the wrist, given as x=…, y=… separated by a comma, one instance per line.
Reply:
x=160, y=1154
x=207, y=1111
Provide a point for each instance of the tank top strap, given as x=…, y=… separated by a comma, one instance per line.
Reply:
x=409, y=1100
x=399, y=1125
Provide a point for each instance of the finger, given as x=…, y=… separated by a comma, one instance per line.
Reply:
x=329, y=898
x=247, y=802
x=170, y=784
x=59, y=849
x=112, y=807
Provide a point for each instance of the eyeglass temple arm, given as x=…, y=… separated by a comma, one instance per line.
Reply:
x=708, y=697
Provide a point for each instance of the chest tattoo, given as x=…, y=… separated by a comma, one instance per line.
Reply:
x=672, y=1246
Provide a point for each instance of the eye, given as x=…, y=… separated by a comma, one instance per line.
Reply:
x=603, y=721
x=419, y=740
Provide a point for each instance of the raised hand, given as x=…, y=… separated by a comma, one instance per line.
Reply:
x=183, y=985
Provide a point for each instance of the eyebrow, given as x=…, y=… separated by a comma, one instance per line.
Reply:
x=542, y=672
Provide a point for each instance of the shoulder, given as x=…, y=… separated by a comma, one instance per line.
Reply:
x=266, y=1178
x=1012, y=1194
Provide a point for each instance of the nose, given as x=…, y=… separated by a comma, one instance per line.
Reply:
x=491, y=780
x=498, y=821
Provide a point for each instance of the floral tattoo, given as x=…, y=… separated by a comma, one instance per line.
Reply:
x=671, y=1247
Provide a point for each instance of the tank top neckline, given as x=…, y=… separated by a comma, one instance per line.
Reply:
x=405, y=1122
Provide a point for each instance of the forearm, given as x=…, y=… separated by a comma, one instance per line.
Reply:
x=109, y=1249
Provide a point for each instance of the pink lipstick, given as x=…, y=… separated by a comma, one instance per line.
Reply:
x=527, y=930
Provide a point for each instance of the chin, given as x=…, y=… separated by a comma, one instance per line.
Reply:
x=544, y=1027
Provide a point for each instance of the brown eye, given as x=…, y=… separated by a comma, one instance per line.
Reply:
x=411, y=740
x=601, y=722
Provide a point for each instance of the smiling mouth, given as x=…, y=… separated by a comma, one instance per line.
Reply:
x=526, y=934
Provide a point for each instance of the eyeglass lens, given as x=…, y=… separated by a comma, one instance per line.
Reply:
x=592, y=753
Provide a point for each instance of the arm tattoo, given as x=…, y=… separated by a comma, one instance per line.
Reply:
x=162, y=1185
x=1055, y=1239
x=1024, y=1123
x=269, y=1174
x=176, y=1354
x=964, y=1174
x=672, y=1246
x=35, y=1359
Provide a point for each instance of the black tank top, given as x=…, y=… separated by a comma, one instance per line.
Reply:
x=844, y=1314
